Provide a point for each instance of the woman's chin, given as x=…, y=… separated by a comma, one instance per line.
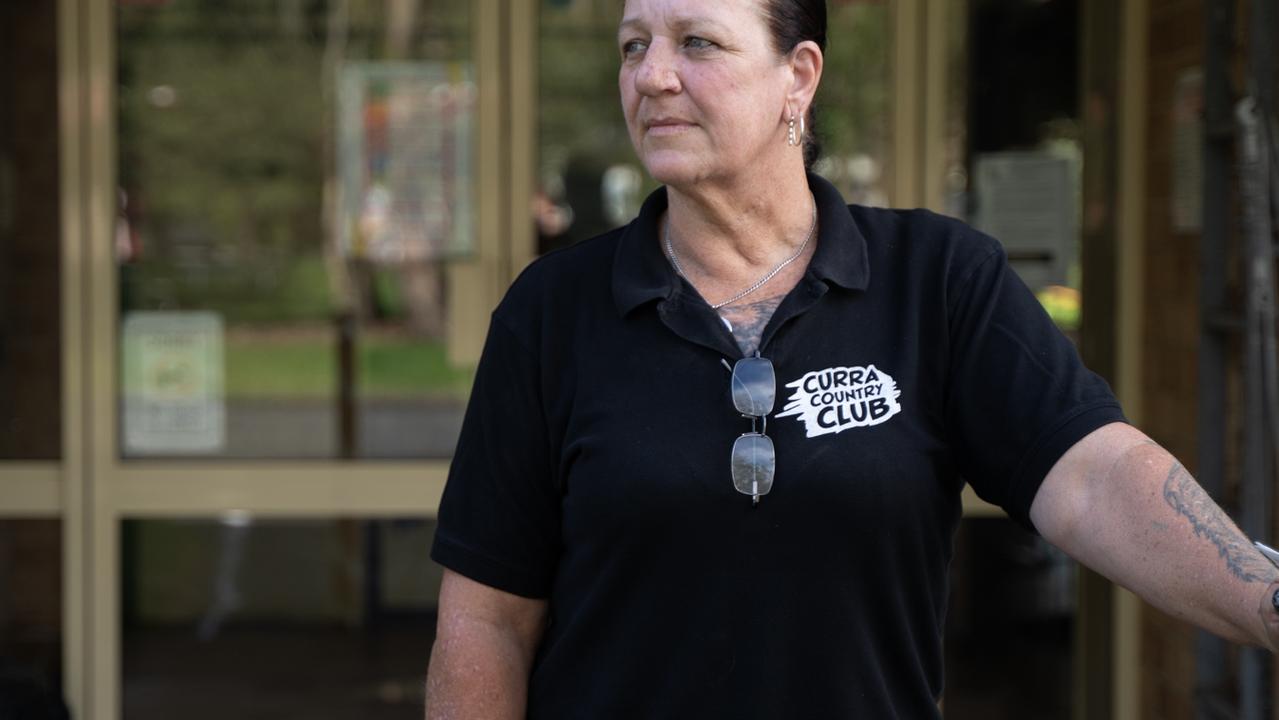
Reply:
x=675, y=169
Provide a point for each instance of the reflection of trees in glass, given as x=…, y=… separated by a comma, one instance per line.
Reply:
x=580, y=126
x=225, y=119
x=578, y=100
x=853, y=102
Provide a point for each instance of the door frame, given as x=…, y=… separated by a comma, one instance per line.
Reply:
x=93, y=489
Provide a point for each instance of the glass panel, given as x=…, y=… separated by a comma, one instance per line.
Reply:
x=249, y=617
x=590, y=179
x=1013, y=158
x=853, y=104
x=1014, y=140
x=30, y=242
x=295, y=183
x=31, y=619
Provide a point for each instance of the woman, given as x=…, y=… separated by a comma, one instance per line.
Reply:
x=712, y=462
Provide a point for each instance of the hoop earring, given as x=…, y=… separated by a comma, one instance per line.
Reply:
x=791, y=138
x=801, y=130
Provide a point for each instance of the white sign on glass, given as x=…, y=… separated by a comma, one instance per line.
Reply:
x=172, y=383
x=1027, y=201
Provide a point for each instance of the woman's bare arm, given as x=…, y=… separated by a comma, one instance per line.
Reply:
x=484, y=645
x=1122, y=505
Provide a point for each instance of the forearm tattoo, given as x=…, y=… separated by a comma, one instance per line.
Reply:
x=1184, y=495
x=748, y=320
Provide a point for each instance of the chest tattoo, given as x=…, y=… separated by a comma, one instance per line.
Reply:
x=748, y=320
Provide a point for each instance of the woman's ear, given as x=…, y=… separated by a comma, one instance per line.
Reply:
x=806, y=70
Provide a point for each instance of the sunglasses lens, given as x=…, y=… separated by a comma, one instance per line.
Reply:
x=754, y=386
x=753, y=464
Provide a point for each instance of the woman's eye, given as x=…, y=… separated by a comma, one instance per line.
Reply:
x=630, y=47
x=698, y=43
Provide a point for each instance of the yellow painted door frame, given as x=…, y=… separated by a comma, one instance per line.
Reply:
x=919, y=77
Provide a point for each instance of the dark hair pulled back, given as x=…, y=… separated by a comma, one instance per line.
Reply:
x=791, y=22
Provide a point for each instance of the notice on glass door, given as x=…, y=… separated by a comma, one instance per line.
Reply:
x=1028, y=201
x=172, y=383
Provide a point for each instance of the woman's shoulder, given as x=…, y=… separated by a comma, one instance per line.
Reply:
x=920, y=236
x=918, y=225
x=571, y=264
x=562, y=281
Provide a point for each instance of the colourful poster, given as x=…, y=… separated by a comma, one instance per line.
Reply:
x=404, y=160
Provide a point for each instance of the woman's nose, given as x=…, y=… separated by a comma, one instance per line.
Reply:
x=657, y=74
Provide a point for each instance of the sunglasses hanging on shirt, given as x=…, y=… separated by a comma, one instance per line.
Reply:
x=754, y=386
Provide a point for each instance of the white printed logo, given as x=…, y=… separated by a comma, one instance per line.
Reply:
x=835, y=399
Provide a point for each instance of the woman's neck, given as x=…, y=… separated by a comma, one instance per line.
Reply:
x=725, y=233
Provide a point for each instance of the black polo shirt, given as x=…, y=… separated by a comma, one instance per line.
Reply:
x=593, y=467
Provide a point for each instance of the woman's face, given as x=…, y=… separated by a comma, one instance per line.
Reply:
x=703, y=92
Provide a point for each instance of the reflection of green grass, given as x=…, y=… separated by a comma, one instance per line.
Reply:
x=394, y=367
x=307, y=366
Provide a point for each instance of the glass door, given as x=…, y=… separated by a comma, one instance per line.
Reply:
x=297, y=210
x=296, y=187
x=1023, y=637
x=292, y=223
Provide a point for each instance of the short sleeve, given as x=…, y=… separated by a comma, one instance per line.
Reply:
x=1018, y=396
x=499, y=518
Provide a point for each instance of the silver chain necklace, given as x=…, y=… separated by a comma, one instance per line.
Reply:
x=670, y=251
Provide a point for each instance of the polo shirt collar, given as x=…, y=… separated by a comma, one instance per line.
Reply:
x=841, y=256
x=642, y=273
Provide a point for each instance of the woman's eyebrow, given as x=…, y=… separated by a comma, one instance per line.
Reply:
x=679, y=24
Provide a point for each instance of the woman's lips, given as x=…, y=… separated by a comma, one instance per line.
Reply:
x=668, y=127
